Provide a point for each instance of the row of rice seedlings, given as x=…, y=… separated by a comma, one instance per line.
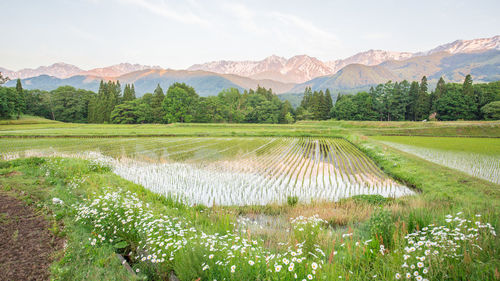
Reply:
x=268, y=173
x=482, y=166
x=240, y=165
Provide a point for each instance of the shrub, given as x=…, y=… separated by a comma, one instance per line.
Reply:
x=292, y=200
x=381, y=226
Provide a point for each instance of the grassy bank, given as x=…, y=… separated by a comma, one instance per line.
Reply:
x=34, y=126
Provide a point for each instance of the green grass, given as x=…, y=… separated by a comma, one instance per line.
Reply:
x=488, y=146
x=35, y=126
x=441, y=191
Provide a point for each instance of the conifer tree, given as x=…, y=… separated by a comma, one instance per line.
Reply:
x=157, y=105
x=19, y=102
x=128, y=93
x=423, y=102
x=328, y=104
x=467, y=86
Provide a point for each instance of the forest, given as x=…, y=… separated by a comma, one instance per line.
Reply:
x=392, y=101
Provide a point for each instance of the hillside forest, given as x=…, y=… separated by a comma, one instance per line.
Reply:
x=392, y=101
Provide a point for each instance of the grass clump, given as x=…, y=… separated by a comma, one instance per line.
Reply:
x=374, y=199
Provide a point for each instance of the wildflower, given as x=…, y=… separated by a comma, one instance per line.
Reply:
x=425, y=271
x=137, y=270
x=251, y=262
x=397, y=276
x=290, y=268
x=309, y=276
x=211, y=256
x=420, y=264
x=314, y=266
x=233, y=268
x=415, y=273
x=408, y=275
x=277, y=268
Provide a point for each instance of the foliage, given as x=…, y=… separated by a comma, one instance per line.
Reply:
x=381, y=228
x=491, y=111
x=102, y=104
x=318, y=104
x=132, y=112
x=401, y=101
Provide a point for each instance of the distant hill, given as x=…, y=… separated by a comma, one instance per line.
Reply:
x=205, y=83
x=479, y=57
x=63, y=70
x=484, y=67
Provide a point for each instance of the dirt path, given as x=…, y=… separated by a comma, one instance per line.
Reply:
x=26, y=244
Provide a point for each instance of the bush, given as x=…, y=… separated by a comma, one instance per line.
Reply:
x=370, y=199
x=491, y=111
x=292, y=200
x=381, y=226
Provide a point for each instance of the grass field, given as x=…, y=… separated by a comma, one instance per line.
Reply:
x=479, y=157
x=107, y=210
x=34, y=126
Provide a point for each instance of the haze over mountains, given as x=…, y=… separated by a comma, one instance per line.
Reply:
x=480, y=57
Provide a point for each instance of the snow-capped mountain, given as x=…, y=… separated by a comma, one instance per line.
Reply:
x=371, y=57
x=302, y=68
x=297, y=69
x=118, y=70
x=59, y=70
x=64, y=70
x=467, y=46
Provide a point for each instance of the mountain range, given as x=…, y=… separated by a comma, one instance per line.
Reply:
x=479, y=57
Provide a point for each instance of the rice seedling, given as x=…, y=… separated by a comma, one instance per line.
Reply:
x=479, y=165
x=230, y=171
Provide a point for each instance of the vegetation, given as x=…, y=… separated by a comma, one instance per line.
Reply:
x=397, y=101
x=476, y=156
x=445, y=230
x=210, y=243
x=235, y=171
x=402, y=101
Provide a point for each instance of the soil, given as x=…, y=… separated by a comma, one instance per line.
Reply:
x=27, y=247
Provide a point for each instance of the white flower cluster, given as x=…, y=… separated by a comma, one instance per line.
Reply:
x=122, y=216
x=439, y=243
x=300, y=221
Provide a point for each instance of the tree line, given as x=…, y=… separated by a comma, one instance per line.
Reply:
x=180, y=103
x=392, y=101
x=405, y=101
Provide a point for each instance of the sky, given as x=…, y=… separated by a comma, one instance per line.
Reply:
x=178, y=34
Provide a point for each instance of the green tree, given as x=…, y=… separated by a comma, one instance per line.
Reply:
x=328, y=104
x=411, y=109
x=491, y=111
x=157, y=105
x=423, y=104
x=454, y=105
x=128, y=93
x=7, y=102
x=131, y=112
x=467, y=86
x=19, y=99
x=70, y=105
x=180, y=103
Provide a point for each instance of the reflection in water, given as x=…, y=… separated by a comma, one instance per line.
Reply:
x=230, y=170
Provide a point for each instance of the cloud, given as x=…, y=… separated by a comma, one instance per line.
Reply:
x=164, y=9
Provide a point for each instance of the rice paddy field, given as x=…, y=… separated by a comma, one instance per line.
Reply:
x=228, y=171
x=328, y=200
x=479, y=157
